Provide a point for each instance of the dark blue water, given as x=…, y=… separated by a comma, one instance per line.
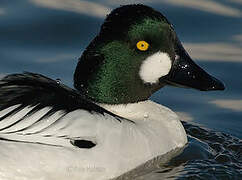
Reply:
x=48, y=36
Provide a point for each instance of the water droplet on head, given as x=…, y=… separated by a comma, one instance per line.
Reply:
x=184, y=66
x=146, y=115
x=58, y=81
x=177, y=57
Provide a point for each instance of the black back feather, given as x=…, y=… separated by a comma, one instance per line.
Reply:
x=29, y=89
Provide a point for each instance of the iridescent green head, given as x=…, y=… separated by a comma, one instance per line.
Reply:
x=136, y=53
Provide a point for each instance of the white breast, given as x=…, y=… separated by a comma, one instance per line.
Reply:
x=150, y=116
x=157, y=131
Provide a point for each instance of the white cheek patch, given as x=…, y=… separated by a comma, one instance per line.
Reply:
x=154, y=67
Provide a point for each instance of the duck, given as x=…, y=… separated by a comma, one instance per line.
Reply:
x=106, y=126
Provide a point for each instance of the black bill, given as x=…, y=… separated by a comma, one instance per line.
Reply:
x=185, y=73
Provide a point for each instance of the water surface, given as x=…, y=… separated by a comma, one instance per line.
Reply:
x=47, y=37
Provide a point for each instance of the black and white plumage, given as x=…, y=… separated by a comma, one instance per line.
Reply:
x=39, y=115
x=30, y=89
x=43, y=121
x=33, y=96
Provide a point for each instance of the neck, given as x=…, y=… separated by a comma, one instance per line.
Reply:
x=143, y=110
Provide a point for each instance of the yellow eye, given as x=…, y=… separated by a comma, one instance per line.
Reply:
x=142, y=45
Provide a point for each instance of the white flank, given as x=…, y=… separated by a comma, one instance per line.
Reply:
x=154, y=67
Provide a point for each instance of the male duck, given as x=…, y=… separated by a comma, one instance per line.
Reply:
x=107, y=126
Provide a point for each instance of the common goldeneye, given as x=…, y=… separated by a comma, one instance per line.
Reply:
x=107, y=126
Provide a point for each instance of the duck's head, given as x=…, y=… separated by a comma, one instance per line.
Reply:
x=136, y=53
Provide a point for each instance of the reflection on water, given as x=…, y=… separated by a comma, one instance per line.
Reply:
x=48, y=36
x=216, y=51
x=209, y=6
x=235, y=105
x=82, y=7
